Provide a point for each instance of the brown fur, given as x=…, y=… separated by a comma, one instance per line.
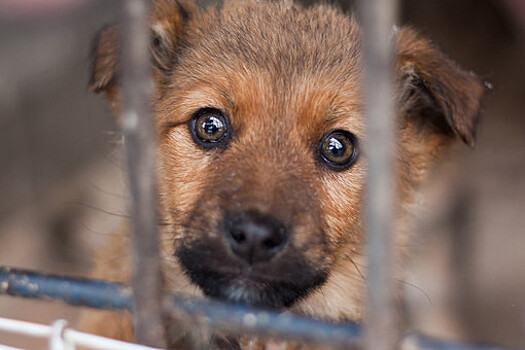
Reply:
x=285, y=76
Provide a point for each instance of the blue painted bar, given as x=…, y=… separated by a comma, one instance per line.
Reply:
x=227, y=317
x=427, y=343
x=73, y=291
x=238, y=318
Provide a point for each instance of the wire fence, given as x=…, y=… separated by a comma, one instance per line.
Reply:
x=144, y=296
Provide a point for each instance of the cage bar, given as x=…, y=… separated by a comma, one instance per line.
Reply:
x=377, y=19
x=73, y=291
x=241, y=319
x=220, y=316
x=140, y=151
x=226, y=317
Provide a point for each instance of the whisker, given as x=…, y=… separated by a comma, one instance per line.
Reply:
x=356, y=267
x=110, y=193
x=117, y=257
x=109, y=234
x=161, y=223
x=210, y=343
x=421, y=290
x=89, y=206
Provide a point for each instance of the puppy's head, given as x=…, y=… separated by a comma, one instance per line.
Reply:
x=258, y=110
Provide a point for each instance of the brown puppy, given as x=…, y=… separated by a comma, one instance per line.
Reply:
x=261, y=166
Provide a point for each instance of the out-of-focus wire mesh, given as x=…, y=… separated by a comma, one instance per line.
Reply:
x=63, y=193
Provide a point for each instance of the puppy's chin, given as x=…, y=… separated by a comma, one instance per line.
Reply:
x=277, y=284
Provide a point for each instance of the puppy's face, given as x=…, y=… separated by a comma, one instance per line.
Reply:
x=259, y=120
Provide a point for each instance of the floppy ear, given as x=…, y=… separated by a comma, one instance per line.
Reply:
x=168, y=20
x=105, y=60
x=435, y=93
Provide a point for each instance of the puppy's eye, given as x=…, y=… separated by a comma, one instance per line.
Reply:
x=209, y=128
x=338, y=150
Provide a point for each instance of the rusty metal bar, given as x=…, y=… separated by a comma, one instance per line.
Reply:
x=140, y=149
x=377, y=19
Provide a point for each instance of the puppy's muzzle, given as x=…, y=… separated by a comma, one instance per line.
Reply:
x=254, y=237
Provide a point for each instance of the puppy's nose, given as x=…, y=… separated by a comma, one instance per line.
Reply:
x=255, y=237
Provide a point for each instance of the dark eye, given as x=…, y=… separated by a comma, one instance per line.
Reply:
x=338, y=150
x=209, y=128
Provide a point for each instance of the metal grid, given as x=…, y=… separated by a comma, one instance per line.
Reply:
x=145, y=299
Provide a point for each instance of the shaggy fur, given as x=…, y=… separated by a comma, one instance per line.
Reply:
x=284, y=76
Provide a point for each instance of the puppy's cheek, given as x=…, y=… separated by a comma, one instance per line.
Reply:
x=341, y=198
x=203, y=222
x=182, y=176
x=183, y=171
x=311, y=240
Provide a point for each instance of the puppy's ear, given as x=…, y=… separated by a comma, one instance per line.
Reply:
x=168, y=20
x=105, y=61
x=436, y=95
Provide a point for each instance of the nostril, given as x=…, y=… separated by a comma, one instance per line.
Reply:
x=270, y=243
x=275, y=239
x=238, y=235
x=254, y=237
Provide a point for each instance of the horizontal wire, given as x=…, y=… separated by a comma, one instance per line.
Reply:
x=68, y=336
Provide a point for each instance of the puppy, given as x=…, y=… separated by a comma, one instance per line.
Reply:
x=261, y=166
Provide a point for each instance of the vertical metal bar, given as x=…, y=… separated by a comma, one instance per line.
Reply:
x=140, y=148
x=377, y=19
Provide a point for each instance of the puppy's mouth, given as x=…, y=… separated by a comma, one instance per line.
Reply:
x=277, y=284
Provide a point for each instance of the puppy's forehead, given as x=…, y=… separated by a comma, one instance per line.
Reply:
x=279, y=61
x=285, y=38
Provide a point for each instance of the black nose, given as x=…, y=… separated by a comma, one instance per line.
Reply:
x=255, y=237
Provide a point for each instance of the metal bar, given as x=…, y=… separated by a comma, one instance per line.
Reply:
x=140, y=149
x=239, y=319
x=73, y=291
x=377, y=19
x=235, y=318
x=418, y=341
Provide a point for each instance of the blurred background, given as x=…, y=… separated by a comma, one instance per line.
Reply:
x=63, y=190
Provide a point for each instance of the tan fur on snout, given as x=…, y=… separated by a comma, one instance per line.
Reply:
x=284, y=77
